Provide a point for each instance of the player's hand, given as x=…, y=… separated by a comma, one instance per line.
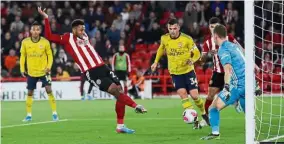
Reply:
x=42, y=12
x=47, y=70
x=189, y=62
x=213, y=52
x=23, y=74
x=227, y=91
x=154, y=67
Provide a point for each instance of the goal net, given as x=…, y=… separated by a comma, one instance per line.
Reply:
x=268, y=54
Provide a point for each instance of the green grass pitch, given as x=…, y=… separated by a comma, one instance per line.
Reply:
x=93, y=122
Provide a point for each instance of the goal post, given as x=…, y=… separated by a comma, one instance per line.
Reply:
x=249, y=54
x=264, y=46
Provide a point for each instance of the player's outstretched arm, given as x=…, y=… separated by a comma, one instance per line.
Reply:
x=48, y=34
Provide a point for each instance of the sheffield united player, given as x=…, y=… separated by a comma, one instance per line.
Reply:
x=217, y=80
x=78, y=46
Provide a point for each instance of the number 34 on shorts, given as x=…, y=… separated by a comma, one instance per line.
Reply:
x=187, y=81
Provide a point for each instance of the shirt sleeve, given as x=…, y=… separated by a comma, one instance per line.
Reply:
x=193, y=48
x=49, y=55
x=23, y=57
x=160, y=51
x=224, y=56
x=60, y=39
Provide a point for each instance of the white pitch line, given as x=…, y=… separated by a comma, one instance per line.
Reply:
x=36, y=123
x=273, y=139
x=110, y=119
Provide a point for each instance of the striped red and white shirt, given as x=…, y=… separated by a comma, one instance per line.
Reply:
x=80, y=49
x=209, y=46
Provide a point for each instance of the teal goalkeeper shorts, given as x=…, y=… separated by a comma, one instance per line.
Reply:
x=237, y=94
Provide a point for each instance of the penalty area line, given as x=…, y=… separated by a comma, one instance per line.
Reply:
x=35, y=123
x=273, y=139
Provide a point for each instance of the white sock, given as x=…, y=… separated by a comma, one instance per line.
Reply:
x=54, y=113
x=215, y=132
x=119, y=126
x=29, y=114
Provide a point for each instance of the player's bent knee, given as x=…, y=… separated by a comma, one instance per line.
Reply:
x=219, y=104
x=114, y=90
x=212, y=92
x=194, y=94
x=182, y=93
x=30, y=92
x=48, y=89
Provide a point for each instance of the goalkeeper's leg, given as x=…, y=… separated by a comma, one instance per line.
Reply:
x=214, y=118
x=218, y=104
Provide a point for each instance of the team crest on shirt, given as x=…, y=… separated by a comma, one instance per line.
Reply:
x=41, y=46
x=80, y=42
x=180, y=45
x=98, y=81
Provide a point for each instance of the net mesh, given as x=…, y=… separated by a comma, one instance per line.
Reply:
x=269, y=57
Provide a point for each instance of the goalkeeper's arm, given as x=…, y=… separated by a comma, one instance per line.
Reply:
x=228, y=71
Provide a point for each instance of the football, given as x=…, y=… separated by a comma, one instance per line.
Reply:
x=189, y=116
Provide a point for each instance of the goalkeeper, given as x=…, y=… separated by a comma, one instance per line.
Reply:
x=233, y=62
x=182, y=53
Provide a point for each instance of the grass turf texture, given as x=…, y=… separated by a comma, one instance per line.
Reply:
x=93, y=122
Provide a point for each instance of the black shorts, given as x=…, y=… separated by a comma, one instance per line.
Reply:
x=31, y=81
x=122, y=75
x=217, y=80
x=102, y=77
x=187, y=81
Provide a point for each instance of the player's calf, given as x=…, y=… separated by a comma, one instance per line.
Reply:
x=52, y=102
x=117, y=91
x=209, y=99
x=197, y=100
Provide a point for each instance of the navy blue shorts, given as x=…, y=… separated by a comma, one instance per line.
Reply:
x=46, y=80
x=187, y=81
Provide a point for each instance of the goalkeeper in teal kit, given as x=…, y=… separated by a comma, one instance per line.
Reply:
x=233, y=62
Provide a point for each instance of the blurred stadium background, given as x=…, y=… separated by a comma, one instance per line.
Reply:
x=136, y=25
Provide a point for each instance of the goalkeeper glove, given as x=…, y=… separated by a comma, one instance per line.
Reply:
x=227, y=91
